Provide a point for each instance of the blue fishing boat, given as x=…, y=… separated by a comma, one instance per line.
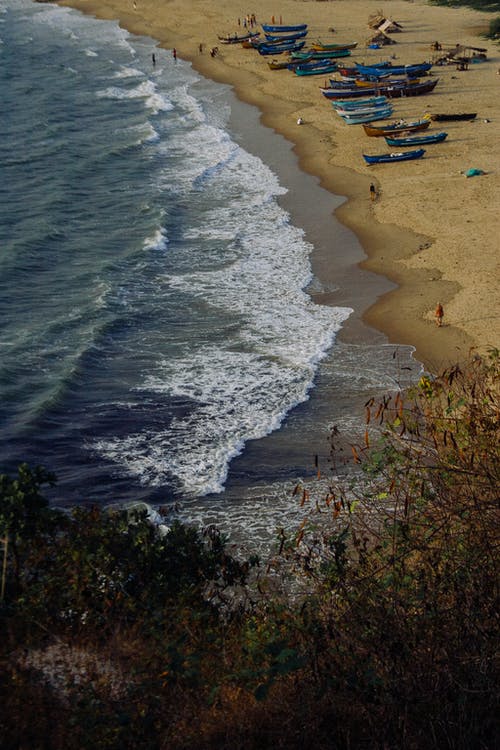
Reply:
x=417, y=140
x=278, y=49
x=279, y=28
x=286, y=37
x=388, y=158
x=345, y=93
x=324, y=55
x=411, y=71
x=315, y=68
x=361, y=111
x=336, y=84
x=369, y=117
x=355, y=104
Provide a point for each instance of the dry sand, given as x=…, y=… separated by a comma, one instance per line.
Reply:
x=432, y=230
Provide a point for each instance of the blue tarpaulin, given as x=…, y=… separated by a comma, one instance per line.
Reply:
x=473, y=172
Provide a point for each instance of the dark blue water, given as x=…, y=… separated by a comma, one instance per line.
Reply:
x=154, y=318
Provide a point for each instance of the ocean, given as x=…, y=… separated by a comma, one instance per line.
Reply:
x=158, y=337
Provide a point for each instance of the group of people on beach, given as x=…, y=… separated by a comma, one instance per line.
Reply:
x=249, y=21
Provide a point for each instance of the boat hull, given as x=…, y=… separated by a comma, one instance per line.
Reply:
x=345, y=90
x=450, y=117
x=357, y=104
x=370, y=117
x=278, y=49
x=286, y=37
x=418, y=140
x=325, y=47
x=318, y=70
x=278, y=28
x=404, y=70
x=389, y=158
x=349, y=114
x=326, y=54
x=406, y=127
x=238, y=39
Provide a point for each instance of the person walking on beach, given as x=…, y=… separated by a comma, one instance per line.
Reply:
x=373, y=192
x=153, y=57
x=174, y=53
x=439, y=314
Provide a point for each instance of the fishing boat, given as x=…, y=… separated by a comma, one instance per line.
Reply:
x=285, y=64
x=400, y=88
x=360, y=111
x=417, y=140
x=256, y=43
x=410, y=71
x=406, y=89
x=327, y=54
x=278, y=49
x=319, y=45
x=251, y=43
x=336, y=84
x=238, y=38
x=356, y=104
x=408, y=85
x=387, y=158
x=346, y=93
x=315, y=68
x=286, y=37
x=449, y=117
x=355, y=119
x=397, y=127
x=279, y=28
x=338, y=89
x=368, y=83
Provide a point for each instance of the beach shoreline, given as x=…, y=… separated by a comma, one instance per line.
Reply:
x=431, y=232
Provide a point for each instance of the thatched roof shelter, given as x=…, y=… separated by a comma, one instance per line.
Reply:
x=390, y=27
x=381, y=39
x=375, y=20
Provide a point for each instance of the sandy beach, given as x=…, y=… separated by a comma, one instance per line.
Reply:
x=432, y=231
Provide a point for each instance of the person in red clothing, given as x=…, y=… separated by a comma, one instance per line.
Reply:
x=439, y=314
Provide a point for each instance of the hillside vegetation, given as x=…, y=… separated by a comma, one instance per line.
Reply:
x=374, y=626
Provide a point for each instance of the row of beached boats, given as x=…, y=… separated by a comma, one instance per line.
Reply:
x=317, y=59
x=362, y=94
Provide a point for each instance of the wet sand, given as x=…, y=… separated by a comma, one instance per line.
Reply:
x=432, y=232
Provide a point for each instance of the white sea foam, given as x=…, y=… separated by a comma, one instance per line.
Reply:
x=127, y=72
x=146, y=90
x=158, y=241
x=242, y=388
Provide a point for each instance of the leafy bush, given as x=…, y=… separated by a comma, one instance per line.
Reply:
x=488, y=6
x=494, y=29
x=406, y=586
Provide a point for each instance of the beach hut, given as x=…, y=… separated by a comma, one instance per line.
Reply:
x=390, y=27
x=380, y=38
x=376, y=20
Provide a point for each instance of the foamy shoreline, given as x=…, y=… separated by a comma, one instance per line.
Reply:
x=432, y=231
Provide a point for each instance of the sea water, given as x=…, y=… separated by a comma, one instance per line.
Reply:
x=155, y=321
